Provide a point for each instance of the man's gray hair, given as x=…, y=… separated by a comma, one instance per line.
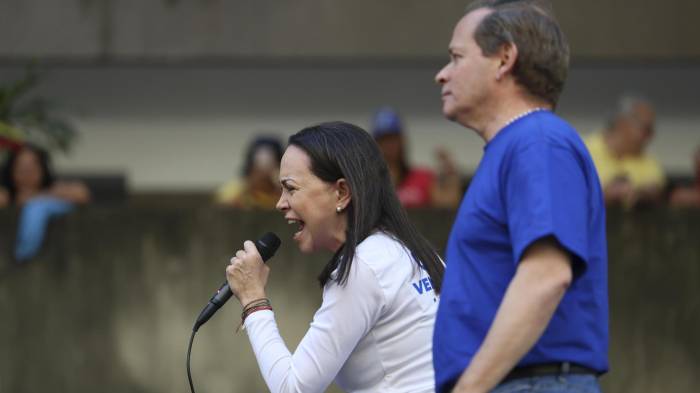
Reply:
x=542, y=63
x=626, y=105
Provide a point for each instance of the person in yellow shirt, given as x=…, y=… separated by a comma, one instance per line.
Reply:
x=628, y=174
x=259, y=187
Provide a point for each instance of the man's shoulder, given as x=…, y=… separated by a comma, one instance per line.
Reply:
x=595, y=143
x=648, y=160
x=535, y=135
x=594, y=138
x=543, y=127
x=229, y=190
x=646, y=168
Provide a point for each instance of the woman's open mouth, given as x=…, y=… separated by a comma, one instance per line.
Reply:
x=300, y=223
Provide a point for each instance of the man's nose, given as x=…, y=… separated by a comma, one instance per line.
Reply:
x=441, y=76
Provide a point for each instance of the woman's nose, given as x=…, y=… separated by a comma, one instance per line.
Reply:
x=282, y=204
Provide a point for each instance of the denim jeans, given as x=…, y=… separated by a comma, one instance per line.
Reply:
x=569, y=383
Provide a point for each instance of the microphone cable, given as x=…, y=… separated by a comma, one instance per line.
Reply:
x=189, y=351
x=267, y=245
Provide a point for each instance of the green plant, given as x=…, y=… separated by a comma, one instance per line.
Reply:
x=31, y=118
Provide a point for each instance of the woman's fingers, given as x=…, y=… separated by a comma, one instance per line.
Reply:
x=250, y=248
x=248, y=254
x=247, y=274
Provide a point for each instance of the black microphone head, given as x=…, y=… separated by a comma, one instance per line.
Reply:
x=267, y=245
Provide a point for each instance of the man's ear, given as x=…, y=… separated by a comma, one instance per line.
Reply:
x=507, y=56
x=343, y=193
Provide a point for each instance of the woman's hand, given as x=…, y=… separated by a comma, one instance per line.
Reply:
x=247, y=274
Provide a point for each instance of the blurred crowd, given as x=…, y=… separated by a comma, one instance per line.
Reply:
x=631, y=177
x=27, y=181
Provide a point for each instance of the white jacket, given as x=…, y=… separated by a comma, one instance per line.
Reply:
x=373, y=334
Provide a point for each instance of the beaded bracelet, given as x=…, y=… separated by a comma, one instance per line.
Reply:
x=252, y=305
x=255, y=305
x=256, y=302
x=253, y=302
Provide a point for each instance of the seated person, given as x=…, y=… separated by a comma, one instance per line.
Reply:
x=27, y=181
x=415, y=187
x=689, y=196
x=259, y=187
x=628, y=174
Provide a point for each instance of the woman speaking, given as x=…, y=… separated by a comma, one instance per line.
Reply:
x=373, y=331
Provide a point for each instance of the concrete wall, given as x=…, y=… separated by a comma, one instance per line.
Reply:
x=231, y=31
x=109, y=304
x=186, y=127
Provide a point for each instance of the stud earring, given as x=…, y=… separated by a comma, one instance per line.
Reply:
x=338, y=209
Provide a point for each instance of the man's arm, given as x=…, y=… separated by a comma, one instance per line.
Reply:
x=541, y=279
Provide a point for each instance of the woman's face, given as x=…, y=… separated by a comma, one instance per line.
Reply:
x=311, y=204
x=264, y=173
x=27, y=172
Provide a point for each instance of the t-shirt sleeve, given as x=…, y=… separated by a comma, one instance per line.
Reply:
x=346, y=315
x=546, y=194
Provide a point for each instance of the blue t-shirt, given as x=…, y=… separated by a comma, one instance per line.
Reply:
x=535, y=180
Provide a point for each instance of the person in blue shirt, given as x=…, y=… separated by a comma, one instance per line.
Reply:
x=524, y=303
x=27, y=181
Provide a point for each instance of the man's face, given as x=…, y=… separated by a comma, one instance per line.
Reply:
x=468, y=78
x=391, y=147
x=638, y=128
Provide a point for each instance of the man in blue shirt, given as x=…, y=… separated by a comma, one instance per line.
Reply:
x=524, y=301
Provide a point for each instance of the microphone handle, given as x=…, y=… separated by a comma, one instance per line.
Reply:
x=220, y=297
x=224, y=293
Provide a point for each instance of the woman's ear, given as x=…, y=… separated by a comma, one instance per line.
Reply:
x=343, y=194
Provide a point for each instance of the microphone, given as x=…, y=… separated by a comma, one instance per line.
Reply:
x=267, y=245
